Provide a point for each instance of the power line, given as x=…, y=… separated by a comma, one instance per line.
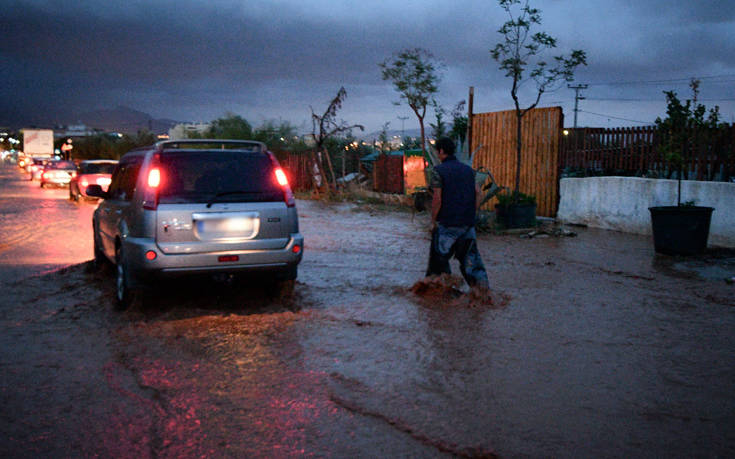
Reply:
x=656, y=100
x=616, y=117
x=672, y=80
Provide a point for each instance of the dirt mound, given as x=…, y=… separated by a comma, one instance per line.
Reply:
x=445, y=291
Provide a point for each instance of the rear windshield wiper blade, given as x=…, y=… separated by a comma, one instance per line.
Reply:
x=226, y=193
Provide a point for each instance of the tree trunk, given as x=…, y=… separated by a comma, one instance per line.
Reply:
x=423, y=137
x=518, y=158
x=331, y=169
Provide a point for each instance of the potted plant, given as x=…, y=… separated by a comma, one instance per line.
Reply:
x=683, y=229
x=516, y=210
x=519, y=51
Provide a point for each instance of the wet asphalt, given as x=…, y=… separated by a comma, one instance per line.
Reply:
x=600, y=348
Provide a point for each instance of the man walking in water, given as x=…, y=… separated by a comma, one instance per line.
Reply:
x=453, y=213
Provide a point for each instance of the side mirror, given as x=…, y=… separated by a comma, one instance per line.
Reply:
x=96, y=192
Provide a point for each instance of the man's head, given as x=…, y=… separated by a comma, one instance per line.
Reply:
x=445, y=148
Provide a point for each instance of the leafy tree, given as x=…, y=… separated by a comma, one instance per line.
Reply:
x=231, y=127
x=415, y=75
x=439, y=129
x=383, y=138
x=325, y=127
x=279, y=136
x=520, y=50
x=687, y=128
x=100, y=146
x=410, y=143
x=458, y=130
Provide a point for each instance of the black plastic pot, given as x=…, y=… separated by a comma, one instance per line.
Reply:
x=516, y=215
x=680, y=230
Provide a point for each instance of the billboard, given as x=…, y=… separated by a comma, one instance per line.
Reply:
x=38, y=142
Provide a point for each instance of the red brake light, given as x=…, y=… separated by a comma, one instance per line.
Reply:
x=154, y=178
x=283, y=182
x=153, y=181
x=281, y=177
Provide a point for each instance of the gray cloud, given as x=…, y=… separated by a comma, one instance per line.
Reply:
x=263, y=59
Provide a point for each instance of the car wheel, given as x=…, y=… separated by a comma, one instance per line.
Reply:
x=124, y=294
x=282, y=287
x=288, y=274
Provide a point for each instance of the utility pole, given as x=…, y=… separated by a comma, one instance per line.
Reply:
x=577, y=98
x=403, y=119
x=469, y=120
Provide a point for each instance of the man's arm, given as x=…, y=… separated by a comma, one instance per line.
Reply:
x=436, y=205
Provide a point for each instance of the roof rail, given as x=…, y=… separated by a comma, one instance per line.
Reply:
x=223, y=144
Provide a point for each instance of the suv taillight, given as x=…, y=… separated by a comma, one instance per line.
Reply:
x=152, y=183
x=283, y=182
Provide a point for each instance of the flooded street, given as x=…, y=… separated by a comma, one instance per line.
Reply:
x=600, y=348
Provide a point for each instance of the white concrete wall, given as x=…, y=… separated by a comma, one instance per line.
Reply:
x=621, y=203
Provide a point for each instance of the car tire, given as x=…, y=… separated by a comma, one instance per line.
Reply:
x=281, y=290
x=284, y=284
x=72, y=195
x=288, y=274
x=124, y=295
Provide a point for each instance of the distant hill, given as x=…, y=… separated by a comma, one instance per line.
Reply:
x=125, y=120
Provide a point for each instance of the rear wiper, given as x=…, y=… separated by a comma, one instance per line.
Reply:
x=225, y=193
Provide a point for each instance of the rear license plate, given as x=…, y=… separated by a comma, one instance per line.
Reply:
x=219, y=226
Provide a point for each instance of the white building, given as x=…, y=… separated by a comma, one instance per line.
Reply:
x=182, y=131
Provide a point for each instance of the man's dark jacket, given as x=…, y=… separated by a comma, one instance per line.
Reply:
x=457, y=182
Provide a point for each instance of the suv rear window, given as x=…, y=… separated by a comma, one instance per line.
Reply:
x=97, y=168
x=62, y=165
x=227, y=176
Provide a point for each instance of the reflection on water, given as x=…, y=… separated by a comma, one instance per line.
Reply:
x=42, y=229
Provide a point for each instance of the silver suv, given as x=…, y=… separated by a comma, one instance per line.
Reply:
x=193, y=207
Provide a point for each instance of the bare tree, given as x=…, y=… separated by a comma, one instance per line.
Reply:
x=415, y=75
x=324, y=127
x=519, y=50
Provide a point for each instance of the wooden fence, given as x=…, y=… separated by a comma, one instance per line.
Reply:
x=495, y=133
x=637, y=152
x=297, y=167
x=388, y=174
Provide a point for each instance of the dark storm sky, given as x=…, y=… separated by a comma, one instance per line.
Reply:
x=196, y=61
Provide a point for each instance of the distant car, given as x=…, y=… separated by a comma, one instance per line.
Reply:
x=58, y=173
x=35, y=167
x=91, y=172
x=197, y=207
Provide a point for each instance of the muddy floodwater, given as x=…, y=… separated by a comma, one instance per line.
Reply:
x=594, y=347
